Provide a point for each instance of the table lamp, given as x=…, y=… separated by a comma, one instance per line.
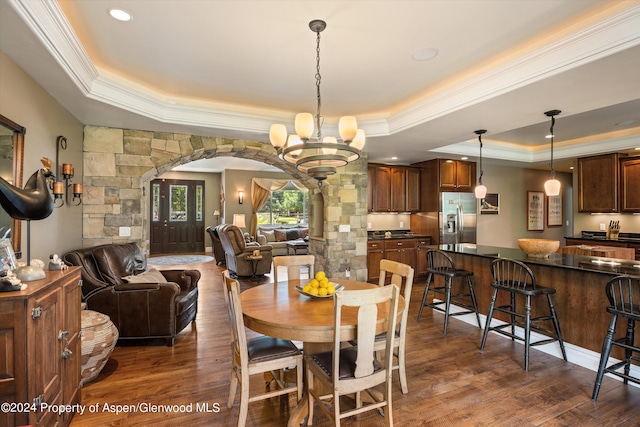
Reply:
x=239, y=221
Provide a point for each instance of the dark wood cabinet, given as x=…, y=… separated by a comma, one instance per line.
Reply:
x=457, y=175
x=40, y=344
x=598, y=178
x=421, y=262
x=393, y=189
x=375, y=253
x=630, y=184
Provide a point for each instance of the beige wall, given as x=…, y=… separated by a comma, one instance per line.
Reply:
x=26, y=103
x=512, y=184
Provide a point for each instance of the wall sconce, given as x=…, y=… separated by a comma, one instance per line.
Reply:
x=61, y=187
x=241, y=197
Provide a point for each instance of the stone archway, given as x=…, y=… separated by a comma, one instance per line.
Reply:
x=119, y=162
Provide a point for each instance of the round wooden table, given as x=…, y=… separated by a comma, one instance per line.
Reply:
x=279, y=310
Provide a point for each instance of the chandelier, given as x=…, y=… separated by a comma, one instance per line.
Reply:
x=480, y=190
x=552, y=186
x=317, y=156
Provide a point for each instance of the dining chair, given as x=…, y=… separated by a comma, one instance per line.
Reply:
x=515, y=278
x=258, y=355
x=623, y=293
x=293, y=264
x=402, y=277
x=355, y=369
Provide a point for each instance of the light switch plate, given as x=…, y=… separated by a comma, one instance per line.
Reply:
x=125, y=231
x=344, y=228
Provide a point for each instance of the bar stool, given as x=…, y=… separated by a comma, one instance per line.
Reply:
x=516, y=278
x=441, y=264
x=623, y=293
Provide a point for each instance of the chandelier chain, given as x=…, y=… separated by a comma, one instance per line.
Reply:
x=318, y=81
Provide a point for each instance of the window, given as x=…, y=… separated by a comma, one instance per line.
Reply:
x=286, y=206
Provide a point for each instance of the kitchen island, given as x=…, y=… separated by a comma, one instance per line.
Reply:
x=579, y=281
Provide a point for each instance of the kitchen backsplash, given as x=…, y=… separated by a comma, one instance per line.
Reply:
x=384, y=222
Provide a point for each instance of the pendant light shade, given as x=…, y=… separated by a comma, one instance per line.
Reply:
x=552, y=186
x=480, y=190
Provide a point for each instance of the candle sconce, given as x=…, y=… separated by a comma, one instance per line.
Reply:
x=63, y=185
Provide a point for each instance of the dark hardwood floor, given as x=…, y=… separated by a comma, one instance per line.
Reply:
x=451, y=383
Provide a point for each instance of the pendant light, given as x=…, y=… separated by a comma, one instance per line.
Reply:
x=481, y=190
x=552, y=186
x=318, y=156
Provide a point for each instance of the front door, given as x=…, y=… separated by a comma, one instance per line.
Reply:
x=177, y=216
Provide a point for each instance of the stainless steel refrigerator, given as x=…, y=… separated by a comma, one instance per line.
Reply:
x=457, y=218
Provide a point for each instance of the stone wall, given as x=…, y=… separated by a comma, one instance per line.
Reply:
x=119, y=163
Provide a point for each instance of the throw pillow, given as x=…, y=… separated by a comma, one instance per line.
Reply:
x=281, y=235
x=293, y=234
x=269, y=234
x=150, y=276
x=304, y=233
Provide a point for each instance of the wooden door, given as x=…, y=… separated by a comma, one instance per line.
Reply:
x=465, y=176
x=13, y=381
x=630, y=185
x=598, y=183
x=413, y=189
x=448, y=179
x=371, y=188
x=177, y=216
x=382, y=196
x=398, y=189
x=45, y=325
x=375, y=253
x=72, y=368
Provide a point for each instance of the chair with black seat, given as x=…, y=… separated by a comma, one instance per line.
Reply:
x=516, y=278
x=623, y=293
x=258, y=355
x=352, y=370
x=441, y=264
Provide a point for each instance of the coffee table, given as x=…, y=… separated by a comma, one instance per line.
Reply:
x=297, y=245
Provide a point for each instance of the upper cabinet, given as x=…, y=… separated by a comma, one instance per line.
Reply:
x=598, y=178
x=457, y=175
x=630, y=184
x=393, y=188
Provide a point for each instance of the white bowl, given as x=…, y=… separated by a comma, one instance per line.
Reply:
x=538, y=248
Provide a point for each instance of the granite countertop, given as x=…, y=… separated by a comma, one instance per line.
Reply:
x=580, y=262
x=397, y=236
x=601, y=236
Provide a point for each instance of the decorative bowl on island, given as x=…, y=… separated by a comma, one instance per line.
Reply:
x=538, y=248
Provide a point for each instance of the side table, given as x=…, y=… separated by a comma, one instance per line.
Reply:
x=255, y=259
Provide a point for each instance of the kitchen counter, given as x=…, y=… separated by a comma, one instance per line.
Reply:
x=579, y=282
x=397, y=236
x=600, y=251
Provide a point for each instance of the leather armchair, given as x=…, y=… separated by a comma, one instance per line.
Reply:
x=218, y=252
x=236, y=251
x=138, y=310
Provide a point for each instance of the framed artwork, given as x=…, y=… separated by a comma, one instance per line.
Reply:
x=554, y=211
x=7, y=256
x=490, y=205
x=535, y=211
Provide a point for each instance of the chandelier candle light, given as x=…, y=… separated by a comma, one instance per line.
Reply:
x=320, y=156
x=481, y=190
x=552, y=186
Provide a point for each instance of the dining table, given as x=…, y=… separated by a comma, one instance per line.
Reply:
x=282, y=311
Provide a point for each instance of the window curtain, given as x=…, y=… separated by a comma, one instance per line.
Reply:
x=261, y=188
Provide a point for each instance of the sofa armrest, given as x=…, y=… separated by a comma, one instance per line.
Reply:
x=262, y=240
x=186, y=279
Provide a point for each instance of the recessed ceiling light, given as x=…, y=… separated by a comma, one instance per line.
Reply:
x=549, y=136
x=120, y=15
x=625, y=123
x=425, y=54
x=464, y=158
x=394, y=158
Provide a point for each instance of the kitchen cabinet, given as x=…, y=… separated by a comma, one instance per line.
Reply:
x=375, y=253
x=630, y=184
x=421, y=263
x=598, y=178
x=457, y=175
x=402, y=250
x=41, y=349
x=393, y=188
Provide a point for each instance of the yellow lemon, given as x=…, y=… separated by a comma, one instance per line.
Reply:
x=313, y=291
x=306, y=288
x=322, y=292
x=331, y=290
x=314, y=283
x=320, y=275
x=324, y=283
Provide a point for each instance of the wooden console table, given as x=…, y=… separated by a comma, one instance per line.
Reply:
x=40, y=350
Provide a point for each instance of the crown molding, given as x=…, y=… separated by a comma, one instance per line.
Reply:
x=47, y=21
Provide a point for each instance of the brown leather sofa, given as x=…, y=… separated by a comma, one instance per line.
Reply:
x=236, y=249
x=218, y=251
x=138, y=310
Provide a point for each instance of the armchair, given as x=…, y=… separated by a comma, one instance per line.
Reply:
x=150, y=309
x=218, y=252
x=236, y=250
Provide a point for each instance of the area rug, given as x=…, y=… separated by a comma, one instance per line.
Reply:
x=179, y=259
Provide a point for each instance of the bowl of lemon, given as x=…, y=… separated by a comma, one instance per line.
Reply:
x=319, y=287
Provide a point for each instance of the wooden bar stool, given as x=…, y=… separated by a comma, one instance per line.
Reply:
x=517, y=279
x=623, y=293
x=441, y=264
